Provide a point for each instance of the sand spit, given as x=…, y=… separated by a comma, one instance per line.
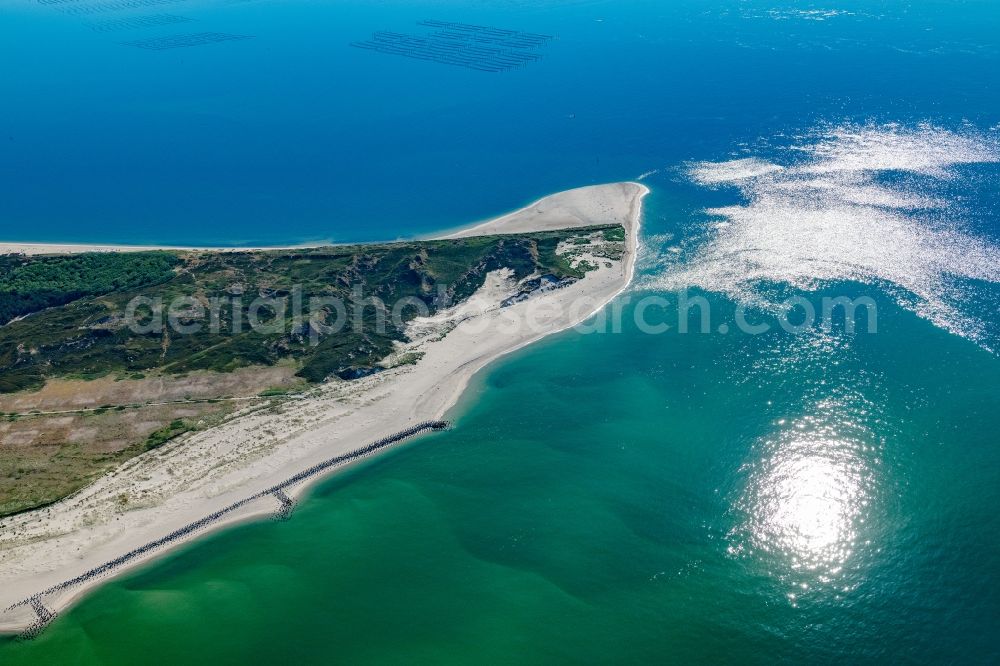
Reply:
x=199, y=475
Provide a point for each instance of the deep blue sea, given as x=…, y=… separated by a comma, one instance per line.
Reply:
x=812, y=497
x=294, y=136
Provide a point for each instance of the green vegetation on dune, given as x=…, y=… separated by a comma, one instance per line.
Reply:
x=614, y=234
x=30, y=284
x=87, y=334
x=160, y=437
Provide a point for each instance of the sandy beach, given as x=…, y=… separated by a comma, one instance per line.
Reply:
x=199, y=474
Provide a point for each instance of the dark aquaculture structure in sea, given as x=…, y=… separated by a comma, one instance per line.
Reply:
x=135, y=22
x=69, y=7
x=124, y=23
x=478, y=47
x=184, y=41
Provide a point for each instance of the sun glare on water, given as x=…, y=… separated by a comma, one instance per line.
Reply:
x=865, y=204
x=806, y=507
x=803, y=509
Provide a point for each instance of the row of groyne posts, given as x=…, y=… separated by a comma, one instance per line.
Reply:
x=277, y=492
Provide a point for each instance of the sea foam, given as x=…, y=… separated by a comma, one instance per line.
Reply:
x=851, y=203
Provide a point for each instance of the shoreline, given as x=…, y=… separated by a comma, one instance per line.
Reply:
x=278, y=492
x=40, y=555
x=530, y=215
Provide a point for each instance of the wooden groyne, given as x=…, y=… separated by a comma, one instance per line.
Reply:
x=45, y=616
x=285, y=505
x=277, y=492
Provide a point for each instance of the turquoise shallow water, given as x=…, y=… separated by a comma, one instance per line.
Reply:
x=717, y=497
x=590, y=511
